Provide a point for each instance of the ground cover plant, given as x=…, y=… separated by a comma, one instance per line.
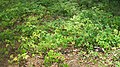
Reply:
x=65, y=33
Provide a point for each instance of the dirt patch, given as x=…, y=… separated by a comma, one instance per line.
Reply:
x=3, y=63
x=73, y=58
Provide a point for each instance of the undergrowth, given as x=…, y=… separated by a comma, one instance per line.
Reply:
x=33, y=27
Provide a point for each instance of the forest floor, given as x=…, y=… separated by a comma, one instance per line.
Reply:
x=34, y=30
x=74, y=57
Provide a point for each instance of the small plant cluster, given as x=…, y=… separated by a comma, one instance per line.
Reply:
x=53, y=57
